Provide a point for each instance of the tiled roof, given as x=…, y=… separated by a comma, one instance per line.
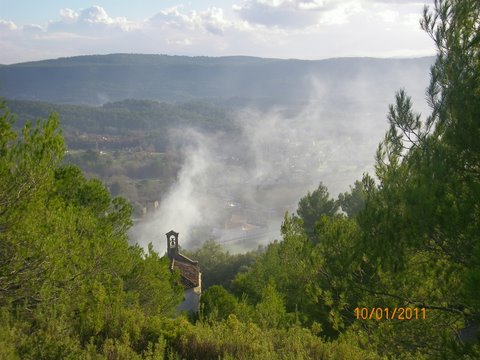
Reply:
x=189, y=271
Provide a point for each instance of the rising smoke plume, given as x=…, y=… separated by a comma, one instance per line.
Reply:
x=235, y=187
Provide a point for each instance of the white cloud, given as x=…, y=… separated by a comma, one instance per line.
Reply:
x=95, y=15
x=211, y=20
x=342, y=13
x=284, y=13
x=268, y=28
x=7, y=25
x=388, y=15
x=403, y=2
x=89, y=20
x=68, y=15
x=33, y=30
x=172, y=17
x=412, y=21
x=298, y=14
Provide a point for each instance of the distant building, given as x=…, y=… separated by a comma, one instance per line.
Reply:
x=190, y=275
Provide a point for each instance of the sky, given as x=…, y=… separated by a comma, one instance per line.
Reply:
x=301, y=29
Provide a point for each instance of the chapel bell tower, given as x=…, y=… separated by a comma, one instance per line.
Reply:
x=172, y=244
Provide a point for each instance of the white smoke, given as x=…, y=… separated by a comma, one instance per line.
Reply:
x=235, y=187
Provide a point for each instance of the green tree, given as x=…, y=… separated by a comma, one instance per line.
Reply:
x=70, y=284
x=150, y=280
x=421, y=221
x=217, y=303
x=219, y=267
x=270, y=311
x=314, y=205
x=352, y=202
x=25, y=176
x=286, y=266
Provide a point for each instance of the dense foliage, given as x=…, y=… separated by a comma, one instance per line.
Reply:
x=72, y=287
x=236, y=80
x=69, y=281
x=411, y=234
x=133, y=146
x=127, y=118
x=219, y=267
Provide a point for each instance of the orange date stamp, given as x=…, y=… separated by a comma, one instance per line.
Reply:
x=386, y=313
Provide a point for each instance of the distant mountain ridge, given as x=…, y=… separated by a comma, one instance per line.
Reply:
x=97, y=79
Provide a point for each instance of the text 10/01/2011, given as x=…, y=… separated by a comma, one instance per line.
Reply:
x=398, y=313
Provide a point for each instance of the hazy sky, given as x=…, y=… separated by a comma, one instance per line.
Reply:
x=305, y=29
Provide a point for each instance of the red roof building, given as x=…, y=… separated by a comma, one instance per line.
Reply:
x=190, y=275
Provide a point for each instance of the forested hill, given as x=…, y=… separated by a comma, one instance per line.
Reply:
x=388, y=270
x=126, y=115
x=104, y=78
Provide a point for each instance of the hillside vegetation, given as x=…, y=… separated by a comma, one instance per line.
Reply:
x=126, y=144
x=238, y=80
x=407, y=236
